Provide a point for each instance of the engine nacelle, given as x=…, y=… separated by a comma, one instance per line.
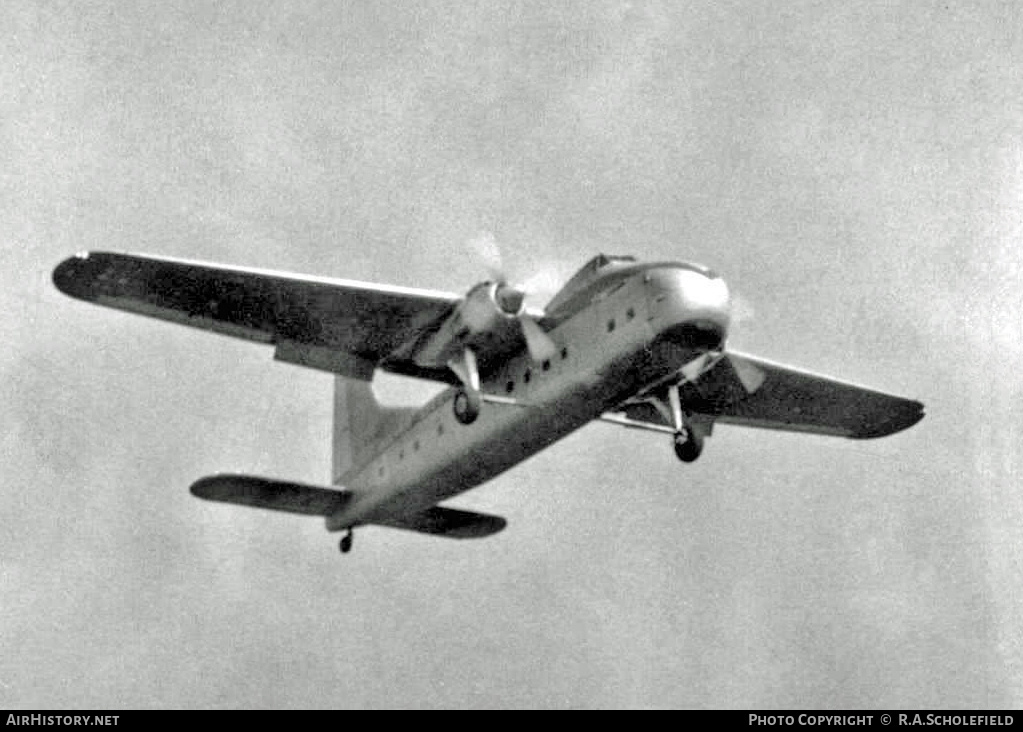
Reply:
x=487, y=317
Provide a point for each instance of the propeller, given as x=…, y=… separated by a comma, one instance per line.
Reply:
x=751, y=377
x=511, y=299
x=488, y=252
x=540, y=345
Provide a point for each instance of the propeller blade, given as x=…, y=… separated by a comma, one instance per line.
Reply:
x=542, y=286
x=540, y=345
x=692, y=370
x=751, y=377
x=488, y=251
x=742, y=309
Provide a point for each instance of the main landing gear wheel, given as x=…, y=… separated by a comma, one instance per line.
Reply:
x=346, y=542
x=467, y=406
x=688, y=445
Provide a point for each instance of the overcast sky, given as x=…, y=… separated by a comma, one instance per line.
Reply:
x=855, y=170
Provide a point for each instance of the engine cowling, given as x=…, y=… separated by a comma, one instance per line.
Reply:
x=489, y=301
x=487, y=318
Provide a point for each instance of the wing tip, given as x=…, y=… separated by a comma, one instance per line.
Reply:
x=77, y=275
x=907, y=414
x=214, y=487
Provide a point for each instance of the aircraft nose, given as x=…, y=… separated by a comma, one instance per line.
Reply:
x=693, y=306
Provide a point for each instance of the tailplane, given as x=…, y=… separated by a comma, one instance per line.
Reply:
x=308, y=500
x=277, y=495
x=450, y=522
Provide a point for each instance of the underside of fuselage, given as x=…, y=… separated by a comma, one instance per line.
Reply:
x=633, y=330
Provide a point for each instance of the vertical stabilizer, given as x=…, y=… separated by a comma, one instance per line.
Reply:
x=362, y=427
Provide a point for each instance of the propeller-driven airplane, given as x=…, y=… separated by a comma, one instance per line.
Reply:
x=637, y=344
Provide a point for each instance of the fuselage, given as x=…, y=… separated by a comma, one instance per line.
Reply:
x=629, y=328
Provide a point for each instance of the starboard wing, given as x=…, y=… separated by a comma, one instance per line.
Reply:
x=341, y=326
x=754, y=392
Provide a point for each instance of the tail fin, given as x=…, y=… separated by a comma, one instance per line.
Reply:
x=361, y=425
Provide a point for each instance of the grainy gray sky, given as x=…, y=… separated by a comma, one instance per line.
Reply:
x=854, y=170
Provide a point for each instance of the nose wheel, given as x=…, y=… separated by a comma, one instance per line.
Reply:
x=346, y=542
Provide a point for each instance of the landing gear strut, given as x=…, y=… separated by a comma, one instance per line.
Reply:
x=468, y=399
x=346, y=542
x=688, y=441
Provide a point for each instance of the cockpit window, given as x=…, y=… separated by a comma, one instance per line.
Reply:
x=705, y=271
x=602, y=260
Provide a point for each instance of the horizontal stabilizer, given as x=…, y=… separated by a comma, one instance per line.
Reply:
x=448, y=522
x=246, y=490
x=273, y=494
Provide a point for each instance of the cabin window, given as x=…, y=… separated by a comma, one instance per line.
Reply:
x=564, y=353
x=547, y=364
x=509, y=387
x=527, y=376
x=630, y=313
x=610, y=325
